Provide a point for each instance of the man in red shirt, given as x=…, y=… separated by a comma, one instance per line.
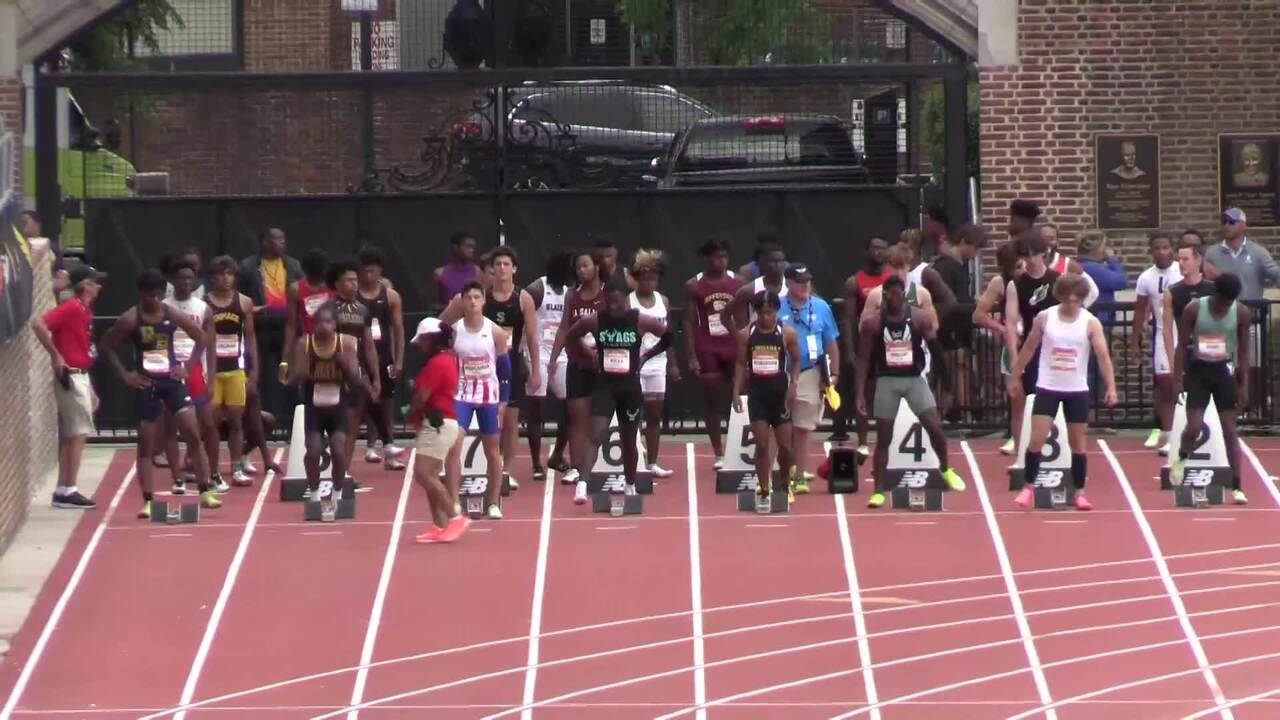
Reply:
x=434, y=411
x=65, y=332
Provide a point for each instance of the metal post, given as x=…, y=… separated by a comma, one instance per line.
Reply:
x=956, y=112
x=366, y=110
x=48, y=191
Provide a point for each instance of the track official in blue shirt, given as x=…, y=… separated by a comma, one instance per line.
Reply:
x=816, y=332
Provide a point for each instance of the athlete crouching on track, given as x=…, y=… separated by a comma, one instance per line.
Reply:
x=617, y=332
x=1069, y=333
x=1215, y=330
x=435, y=412
x=770, y=382
x=894, y=340
x=150, y=325
x=647, y=269
x=481, y=347
x=325, y=362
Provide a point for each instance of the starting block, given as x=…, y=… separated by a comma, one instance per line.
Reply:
x=326, y=509
x=1055, y=456
x=1055, y=496
x=1206, y=464
x=174, y=513
x=473, y=492
x=775, y=502
x=293, y=486
x=1197, y=496
x=922, y=499
x=738, y=474
x=608, y=468
x=616, y=482
x=913, y=473
x=617, y=503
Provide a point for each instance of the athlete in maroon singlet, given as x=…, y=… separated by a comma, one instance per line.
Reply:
x=856, y=289
x=583, y=301
x=709, y=337
x=303, y=298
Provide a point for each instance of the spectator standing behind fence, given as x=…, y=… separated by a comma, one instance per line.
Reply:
x=65, y=333
x=1100, y=263
x=265, y=278
x=461, y=269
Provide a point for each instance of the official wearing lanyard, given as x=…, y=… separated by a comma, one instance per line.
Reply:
x=816, y=331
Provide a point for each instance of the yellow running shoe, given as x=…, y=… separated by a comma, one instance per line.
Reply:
x=512, y=482
x=1177, y=467
x=145, y=512
x=1238, y=497
x=864, y=450
x=954, y=481
x=876, y=500
x=791, y=494
x=801, y=484
x=1007, y=448
x=1153, y=440
x=209, y=501
x=494, y=512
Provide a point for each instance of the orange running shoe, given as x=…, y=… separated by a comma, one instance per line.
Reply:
x=456, y=527
x=1025, y=497
x=1082, y=502
x=432, y=534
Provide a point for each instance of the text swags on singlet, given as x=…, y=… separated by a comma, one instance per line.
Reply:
x=618, y=345
x=477, y=363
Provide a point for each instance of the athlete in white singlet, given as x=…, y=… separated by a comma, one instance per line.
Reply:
x=647, y=270
x=548, y=294
x=1150, y=289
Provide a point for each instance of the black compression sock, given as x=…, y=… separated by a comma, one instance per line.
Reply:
x=1032, y=465
x=146, y=497
x=1079, y=469
x=203, y=487
x=1235, y=482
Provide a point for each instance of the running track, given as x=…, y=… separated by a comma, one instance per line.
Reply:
x=1135, y=610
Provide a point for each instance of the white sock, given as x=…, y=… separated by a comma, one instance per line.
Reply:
x=64, y=491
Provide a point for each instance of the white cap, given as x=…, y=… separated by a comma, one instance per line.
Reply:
x=428, y=326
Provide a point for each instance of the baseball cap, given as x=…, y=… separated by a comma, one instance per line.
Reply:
x=1234, y=215
x=799, y=272
x=85, y=272
x=428, y=326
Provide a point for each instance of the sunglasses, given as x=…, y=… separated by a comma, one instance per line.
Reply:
x=1229, y=221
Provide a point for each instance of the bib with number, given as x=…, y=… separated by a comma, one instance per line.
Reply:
x=617, y=361
x=1063, y=359
x=1212, y=347
x=715, y=326
x=227, y=346
x=375, y=329
x=764, y=362
x=155, y=361
x=477, y=367
x=549, y=331
x=899, y=354
x=183, y=345
x=313, y=303
x=326, y=394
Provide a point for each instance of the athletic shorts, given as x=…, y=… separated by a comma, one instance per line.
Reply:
x=1075, y=405
x=197, y=386
x=230, y=388
x=511, y=392
x=164, y=393
x=809, y=403
x=387, y=389
x=620, y=396
x=1160, y=364
x=956, y=332
x=768, y=404
x=435, y=442
x=653, y=383
x=1210, y=380
x=485, y=414
x=580, y=381
x=327, y=420
x=553, y=380
x=891, y=390
x=75, y=406
x=1031, y=374
x=717, y=361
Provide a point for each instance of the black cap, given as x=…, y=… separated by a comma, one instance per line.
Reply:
x=798, y=271
x=85, y=272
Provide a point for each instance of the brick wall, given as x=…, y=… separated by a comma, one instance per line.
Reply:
x=1186, y=71
x=29, y=444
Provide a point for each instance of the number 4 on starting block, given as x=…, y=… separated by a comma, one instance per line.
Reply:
x=914, y=471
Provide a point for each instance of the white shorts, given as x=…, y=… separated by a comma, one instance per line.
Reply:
x=1160, y=364
x=75, y=406
x=556, y=379
x=653, y=383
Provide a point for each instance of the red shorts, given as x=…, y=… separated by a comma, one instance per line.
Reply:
x=717, y=360
x=196, y=385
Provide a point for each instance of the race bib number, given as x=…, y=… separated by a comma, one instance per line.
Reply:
x=155, y=361
x=715, y=326
x=1064, y=359
x=1212, y=347
x=477, y=367
x=549, y=331
x=617, y=361
x=764, y=364
x=326, y=394
x=183, y=345
x=375, y=329
x=227, y=346
x=313, y=303
x=898, y=354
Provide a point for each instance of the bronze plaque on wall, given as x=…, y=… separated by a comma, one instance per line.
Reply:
x=1248, y=176
x=1127, y=168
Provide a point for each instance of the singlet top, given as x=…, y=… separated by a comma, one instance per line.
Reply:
x=577, y=307
x=194, y=308
x=1059, y=264
x=866, y=282
x=154, y=343
x=1064, y=353
x=899, y=349
x=477, y=363
x=228, y=333
x=713, y=296
x=618, y=346
x=657, y=365
x=351, y=317
x=549, y=315
x=766, y=359
x=1151, y=284
x=324, y=388
x=916, y=276
x=507, y=315
x=758, y=286
x=310, y=299
x=1035, y=295
x=1214, y=339
x=1181, y=294
x=379, y=317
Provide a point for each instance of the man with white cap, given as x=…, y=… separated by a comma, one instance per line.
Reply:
x=434, y=411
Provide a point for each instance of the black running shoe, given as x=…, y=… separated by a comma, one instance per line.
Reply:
x=73, y=501
x=539, y=474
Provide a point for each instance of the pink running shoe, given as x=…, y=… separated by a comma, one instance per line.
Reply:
x=1024, y=498
x=432, y=535
x=456, y=527
x=1082, y=502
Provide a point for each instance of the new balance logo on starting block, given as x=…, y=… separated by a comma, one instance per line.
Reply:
x=738, y=474
x=914, y=473
x=1206, y=472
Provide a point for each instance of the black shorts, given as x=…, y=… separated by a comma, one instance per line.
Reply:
x=956, y=332
x=622, y=396
x=512, y=391
x=768, y=405
x=1210, y=380
x=1075, y=405
x=164, y=393
x=329, y=420
x=580, y=381
x=387, y=389
x=1031, y=373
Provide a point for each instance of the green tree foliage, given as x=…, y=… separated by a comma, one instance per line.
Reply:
x=934, y=125
x=106, y=47
x=744, y=32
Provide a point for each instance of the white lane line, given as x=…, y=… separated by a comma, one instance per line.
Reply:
x=322, y=532
x=228, y=583
x=539, y=587
x=29, y=667
x=1242, y=701
x=695, y=585
x=855, y=600
x=916, y=522
x=166, y=535
x=1170, y=587
x=380, y=597
x=1010, y=583
x=616, y=527
x=767, y=525
x=1263, y=476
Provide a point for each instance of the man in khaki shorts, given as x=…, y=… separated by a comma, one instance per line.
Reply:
x=433, y=410
x=816, y=332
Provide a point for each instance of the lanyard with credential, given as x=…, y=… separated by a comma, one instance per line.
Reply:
x=807, y=322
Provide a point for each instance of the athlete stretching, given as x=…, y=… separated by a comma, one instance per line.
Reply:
x=768, y=370
x=709, y=339
x=434, y=411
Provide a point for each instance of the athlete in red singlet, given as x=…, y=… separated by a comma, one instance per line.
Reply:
x=303, y=298
x=856, y=289
x=583, y=301
x=712, y=347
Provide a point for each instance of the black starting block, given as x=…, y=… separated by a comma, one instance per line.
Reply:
x=736, y=481
x=774, y=502
x=617, y=504
x=174, y=513
x=473, y=493
x=1198, y=496
x=295, y=489
x=328, y=509
x=842, y=472
x=916, y=499
x=1054, y=498
x=616, y=483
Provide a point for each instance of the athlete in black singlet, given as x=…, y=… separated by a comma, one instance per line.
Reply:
x=352, y=320
x=768, y=371
x=386, y=328
x=1026, y=296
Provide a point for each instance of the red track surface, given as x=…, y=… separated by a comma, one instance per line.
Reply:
x=448, y=635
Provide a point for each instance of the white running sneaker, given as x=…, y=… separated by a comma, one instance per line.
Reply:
x=719, y=463
x=220, y=485
x=659, y=471
x=371, y=454
x=570, y=477
x=630, y=488
x=1164, y=450
x=580, y=493
x=392, y=451
x=247, y=466
x=1007, y=448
